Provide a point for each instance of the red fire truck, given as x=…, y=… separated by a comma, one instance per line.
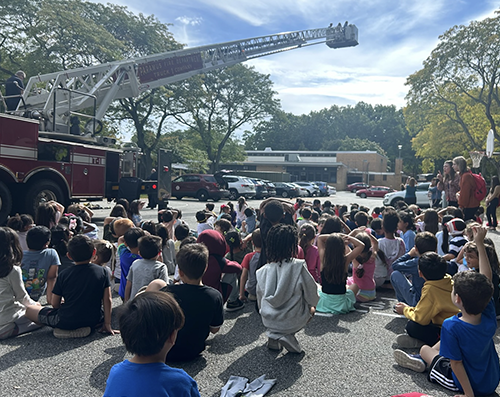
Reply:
x=44, y=155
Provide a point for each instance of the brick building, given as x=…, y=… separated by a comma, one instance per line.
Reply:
x=334, y=167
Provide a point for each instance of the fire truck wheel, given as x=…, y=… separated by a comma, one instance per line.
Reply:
x=5, y=203
x=41, y=192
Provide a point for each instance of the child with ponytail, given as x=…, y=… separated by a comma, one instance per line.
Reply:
x=335, y=256
x=307, y=235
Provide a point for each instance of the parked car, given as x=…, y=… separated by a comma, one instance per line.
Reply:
x=239, y=186
x=331, y=190
x=354, y=187
x=271, y=188
x=286, y=189
x=261, y=191
x=421, y=193
x=303, y=192
x=374, y=191
x=201, y=186
x=323, y=188
x=312, y=188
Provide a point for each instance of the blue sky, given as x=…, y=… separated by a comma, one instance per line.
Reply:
x=395, y=37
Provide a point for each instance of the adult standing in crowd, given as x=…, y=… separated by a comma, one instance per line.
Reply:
x=411, y=191
x=466, y=198
x=14, y=86
x=492, y=203
x=451, y=183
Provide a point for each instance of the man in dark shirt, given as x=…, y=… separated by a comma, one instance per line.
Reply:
x=14, y=86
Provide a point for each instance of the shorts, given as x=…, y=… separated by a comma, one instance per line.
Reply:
x=366, y=295
x=49, y=316
x=440, y=372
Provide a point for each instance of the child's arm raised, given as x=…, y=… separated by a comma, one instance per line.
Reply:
x=107, y=303
x=356, y=251
x=484, y=263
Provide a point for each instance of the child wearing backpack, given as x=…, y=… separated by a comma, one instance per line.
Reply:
x=469, y=196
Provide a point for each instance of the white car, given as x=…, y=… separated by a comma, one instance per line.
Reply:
x=239, y=186
x=421, y=193
x=312, y=188
x=303, y=192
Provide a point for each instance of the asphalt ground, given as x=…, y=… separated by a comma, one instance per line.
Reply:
x=344, y=355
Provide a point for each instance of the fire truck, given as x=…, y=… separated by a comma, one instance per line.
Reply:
x=46, y=155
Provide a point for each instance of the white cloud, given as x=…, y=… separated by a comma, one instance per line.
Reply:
x=185, y=20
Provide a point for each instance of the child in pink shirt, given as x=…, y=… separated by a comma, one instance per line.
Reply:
x=307, y=236
x=362, y=282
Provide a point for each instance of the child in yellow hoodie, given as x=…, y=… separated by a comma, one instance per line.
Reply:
x=435, y=304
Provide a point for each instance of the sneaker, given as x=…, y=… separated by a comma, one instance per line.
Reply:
x=273, y=344
x=233, y=306
x=251, y=297
x=406, y=341
x=410, y=361
x=73, y=333
x=290, y=343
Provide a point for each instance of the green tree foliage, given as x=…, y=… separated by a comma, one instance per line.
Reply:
x=216, y=104
x=42, y=36
x=363, y=126
x=454, y=101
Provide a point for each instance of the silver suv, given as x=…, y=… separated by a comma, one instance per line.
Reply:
x=312, y=188
x=239, y=186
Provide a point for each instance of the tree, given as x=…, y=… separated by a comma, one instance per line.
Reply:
x=216, y=104
x=457, y=91
x=42, y=36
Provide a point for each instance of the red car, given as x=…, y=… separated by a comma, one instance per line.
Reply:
x=354, y=187
x=374, y=191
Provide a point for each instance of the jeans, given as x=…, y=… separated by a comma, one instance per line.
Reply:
x=403, y=288
x=491, y=212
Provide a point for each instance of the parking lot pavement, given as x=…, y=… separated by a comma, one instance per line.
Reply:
x=346, y=355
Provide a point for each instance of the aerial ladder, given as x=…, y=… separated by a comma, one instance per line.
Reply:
x=58, y=99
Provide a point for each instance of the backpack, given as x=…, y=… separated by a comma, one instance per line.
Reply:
x=480, y=190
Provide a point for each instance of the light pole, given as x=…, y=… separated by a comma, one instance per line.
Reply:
x=400, y=147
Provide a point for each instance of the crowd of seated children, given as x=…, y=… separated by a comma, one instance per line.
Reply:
x=464, y=359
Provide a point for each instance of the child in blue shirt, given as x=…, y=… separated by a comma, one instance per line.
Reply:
x=128, y=251
x=149, y=324
x=465, y=360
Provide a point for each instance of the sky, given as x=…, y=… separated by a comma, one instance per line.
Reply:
x=395, y=37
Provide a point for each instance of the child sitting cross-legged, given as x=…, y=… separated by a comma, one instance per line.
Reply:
x=435, y=304
x=146, y=269
x=202, y=305
x=81, y=309
x=149, y=326
x=465, y=360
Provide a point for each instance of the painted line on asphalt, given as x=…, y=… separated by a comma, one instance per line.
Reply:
x=389, y=315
